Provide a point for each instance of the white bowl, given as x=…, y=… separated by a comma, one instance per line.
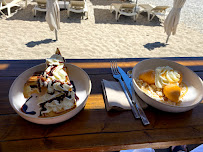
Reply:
x=82, y=84
x=195, y=86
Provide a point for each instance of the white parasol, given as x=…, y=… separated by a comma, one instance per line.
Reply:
x=53, y=15
x=172, y=20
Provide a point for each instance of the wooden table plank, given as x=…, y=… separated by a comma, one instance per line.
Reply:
x=95, y=129
x=93, y=66
x=111, y=141
x=5, y=83
x=96, y=120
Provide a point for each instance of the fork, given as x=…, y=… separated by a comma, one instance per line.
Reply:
x=117, y=75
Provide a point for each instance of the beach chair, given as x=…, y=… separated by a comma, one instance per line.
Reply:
x=77, y=7
x=8, y=4
x=154, y=10
x=41, y=6
x=127, y=9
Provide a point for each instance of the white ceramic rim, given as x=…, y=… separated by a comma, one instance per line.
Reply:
x=39, y=118
x=178, y=107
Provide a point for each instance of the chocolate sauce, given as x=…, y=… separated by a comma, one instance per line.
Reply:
x=25, y=107
x=76, y=97
x=51, y=93
x=59, y=99
x=33, y=86
x=50, y=73
x=74, y=89
x=38, y=73
x=38, y=85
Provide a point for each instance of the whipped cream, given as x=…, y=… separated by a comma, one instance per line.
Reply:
x=60, y=95
x=57, y=77
x=57, y=102
x=56, y=106
x=166, y=75
x=55, y=60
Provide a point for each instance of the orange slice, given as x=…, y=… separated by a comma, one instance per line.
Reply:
x=148, y=76
x=172, y=92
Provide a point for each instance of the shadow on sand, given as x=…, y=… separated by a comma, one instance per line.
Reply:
x=40, y=16
x=101, y=16
x=34, y=43
x=152, y=46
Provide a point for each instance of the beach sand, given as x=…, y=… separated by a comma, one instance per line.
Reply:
x=100, y=36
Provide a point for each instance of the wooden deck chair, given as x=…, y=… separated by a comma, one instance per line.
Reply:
x=8, y=4
x=127, y=9
x=77, y=7
x=154, y=10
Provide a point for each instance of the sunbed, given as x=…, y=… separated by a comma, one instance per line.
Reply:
x=154, y=10
x=127, y=9
x=8, y=4
x=41, y=6
x=77, y=7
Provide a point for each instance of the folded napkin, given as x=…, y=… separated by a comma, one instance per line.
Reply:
x=114, y=96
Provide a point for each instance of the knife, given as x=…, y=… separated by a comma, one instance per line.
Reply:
x=126, y=79
x=145, y=121
x=128, y=82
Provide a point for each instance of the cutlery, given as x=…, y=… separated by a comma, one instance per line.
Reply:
x=144, y=119
x=129, y=84
x=128, y=80
x=117, y=75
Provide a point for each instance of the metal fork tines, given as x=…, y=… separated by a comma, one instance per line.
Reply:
x=117, y=75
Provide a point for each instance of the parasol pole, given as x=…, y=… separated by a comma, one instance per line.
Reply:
x=135, y=5
x=167, y=39
x=65, y=4
x=136, y=2
x=56, y=35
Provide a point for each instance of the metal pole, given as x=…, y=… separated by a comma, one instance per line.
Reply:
x=56, y=35
x=65, y=4
x=167, y=39
x=135, y=5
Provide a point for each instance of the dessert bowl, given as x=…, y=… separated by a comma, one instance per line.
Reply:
x=81, y=82
x=194, y=83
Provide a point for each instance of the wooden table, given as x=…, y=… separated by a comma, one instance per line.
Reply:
x=95, y=129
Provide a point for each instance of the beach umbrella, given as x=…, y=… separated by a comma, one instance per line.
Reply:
x=172, y=20
x=53, y=15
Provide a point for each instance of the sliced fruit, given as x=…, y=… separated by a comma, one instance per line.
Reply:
x=148, y=76
x=172, y=92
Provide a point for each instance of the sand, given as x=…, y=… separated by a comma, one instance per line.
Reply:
x=100, y=36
